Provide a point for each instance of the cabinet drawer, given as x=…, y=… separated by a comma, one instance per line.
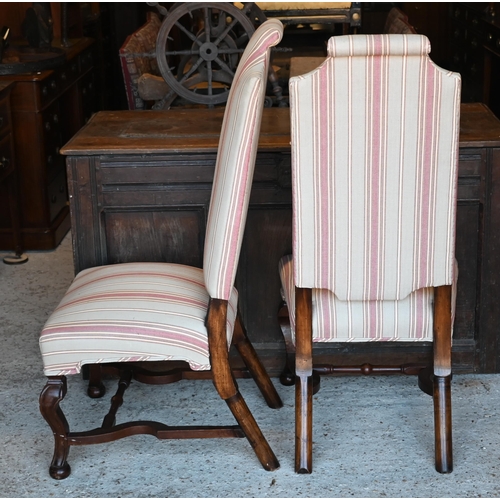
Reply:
x=58, y=194
x=49, y=89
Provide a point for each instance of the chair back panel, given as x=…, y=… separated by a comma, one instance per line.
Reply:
x=236, y=161
x=374, y=154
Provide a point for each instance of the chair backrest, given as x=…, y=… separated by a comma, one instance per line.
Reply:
x=397, y=23
x=374, y=164
x=236, y=161
x=134, y=64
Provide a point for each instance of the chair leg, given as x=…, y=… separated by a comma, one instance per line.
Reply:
x=245, y=419
x=442, y=424
x=254, y=365
x=287, y=376
x=226, y=386
x=442, y=379
x=96, y=388
x=52, y=394
x=303, y=381
x=303, y=424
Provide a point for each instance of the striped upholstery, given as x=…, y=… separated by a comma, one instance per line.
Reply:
x=374, y=166
x=406, y=320
x=156, y=311
x=237, y=147
x=131, y=312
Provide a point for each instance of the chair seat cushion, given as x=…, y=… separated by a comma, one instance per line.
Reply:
x=131, y=312
x=406, y=320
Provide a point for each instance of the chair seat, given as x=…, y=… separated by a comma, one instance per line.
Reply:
x=334, y=320
x=131, y=312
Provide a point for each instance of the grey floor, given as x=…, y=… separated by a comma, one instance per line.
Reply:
x=373, y=437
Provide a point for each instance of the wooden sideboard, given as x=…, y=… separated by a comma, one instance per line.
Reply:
x=140, y=184
x=48, y=108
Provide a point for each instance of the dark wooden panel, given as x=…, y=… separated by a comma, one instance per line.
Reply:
x=173, y=235
x=268, y=237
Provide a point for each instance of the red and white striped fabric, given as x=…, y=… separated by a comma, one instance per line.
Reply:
x=236, y=161
x=131, y=312
x=405, y=320
x=156, y=311
x=374, y=165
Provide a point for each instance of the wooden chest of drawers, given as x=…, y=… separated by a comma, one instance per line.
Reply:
x=48, y=108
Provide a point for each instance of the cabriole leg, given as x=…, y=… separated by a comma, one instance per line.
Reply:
x=52, y=394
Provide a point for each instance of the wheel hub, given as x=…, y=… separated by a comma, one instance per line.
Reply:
x=209, y=51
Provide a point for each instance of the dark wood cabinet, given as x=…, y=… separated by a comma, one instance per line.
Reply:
x=140, y=185
x=475, y=51
x=8, y=177
x=48, y=108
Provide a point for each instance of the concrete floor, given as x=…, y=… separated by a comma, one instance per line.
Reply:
x=373, y=436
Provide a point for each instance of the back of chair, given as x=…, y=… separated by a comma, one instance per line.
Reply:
x=374, y=155
x=236, y=161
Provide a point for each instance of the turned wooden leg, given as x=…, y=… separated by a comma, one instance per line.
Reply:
x=52, y=394
x=303, y=381
x=442, y=424
x=245, y=419
x=254, y=365
x=303, y=424
x=442, y=379
x=96, y=388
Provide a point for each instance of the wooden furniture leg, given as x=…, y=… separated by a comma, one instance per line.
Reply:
x=303, y=381
x=96, y=388
x=254, y=365
x=227, y=388
x=442, y=379
x=52, y=394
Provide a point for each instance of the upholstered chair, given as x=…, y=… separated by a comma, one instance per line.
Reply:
x=374, y=134
x=119, y=314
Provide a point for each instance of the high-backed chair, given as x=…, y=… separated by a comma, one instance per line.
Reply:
x=397, y=23
x=133, y=312
x=374, y=133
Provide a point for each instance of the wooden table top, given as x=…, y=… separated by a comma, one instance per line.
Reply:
x=197, y=130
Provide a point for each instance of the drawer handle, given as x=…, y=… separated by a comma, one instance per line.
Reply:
x=50, y=159
x=47, y=126
x=55, y=118
x=53, y=199
x=45, y=90
x=53, y=84
x=63, y=76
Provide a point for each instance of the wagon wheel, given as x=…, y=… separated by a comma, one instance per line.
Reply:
x=217, y=34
